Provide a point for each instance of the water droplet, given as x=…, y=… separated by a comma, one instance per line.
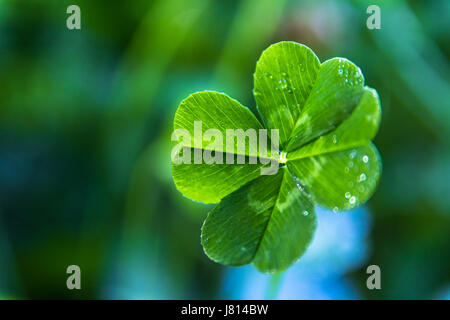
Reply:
x=347, y=169
x=335, y=209
x=305, y=213
x=283, y=83
x=352, y=154
x=347, y=195
x=359, y=72
x=335, y=139
x=297, y=182
x=362, y=177
x=365, y=158
x=352, y=200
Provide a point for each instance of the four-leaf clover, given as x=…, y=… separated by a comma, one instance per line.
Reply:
x=326, y=119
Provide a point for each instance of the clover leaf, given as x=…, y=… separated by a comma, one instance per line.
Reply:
x=326, y=118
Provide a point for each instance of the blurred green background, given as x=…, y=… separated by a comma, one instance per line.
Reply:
x=85, y=124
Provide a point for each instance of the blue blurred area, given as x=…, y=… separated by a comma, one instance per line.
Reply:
x=339, y=246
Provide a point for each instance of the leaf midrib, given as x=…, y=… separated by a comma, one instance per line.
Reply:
x=347, y=147
x=270, y=216
x=236, y=154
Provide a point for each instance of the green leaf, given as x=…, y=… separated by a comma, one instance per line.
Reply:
x=339, y=180
x=269, y=221
x=284, y=76
x=215, y=111
x=357, y=130
x=211, y=182
x=326, y=119
x=336, y=92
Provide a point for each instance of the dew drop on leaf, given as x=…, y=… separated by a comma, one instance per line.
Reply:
x=335, y=139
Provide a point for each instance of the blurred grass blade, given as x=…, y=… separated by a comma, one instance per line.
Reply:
x=248, y=35
x=139, y=79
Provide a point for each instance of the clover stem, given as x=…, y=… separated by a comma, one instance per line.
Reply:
x=274, y=286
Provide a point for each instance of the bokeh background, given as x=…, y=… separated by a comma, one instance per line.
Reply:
x=85, y=124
